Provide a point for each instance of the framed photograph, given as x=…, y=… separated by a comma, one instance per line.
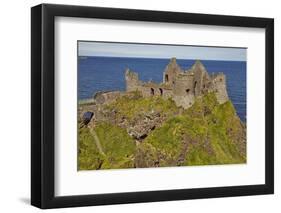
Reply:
x=139, y=106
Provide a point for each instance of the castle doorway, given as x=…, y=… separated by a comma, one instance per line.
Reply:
x=151, y=91
x=161, y=91
x=166, y=78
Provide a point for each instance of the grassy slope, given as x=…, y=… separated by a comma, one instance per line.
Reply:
x=206, y=133
x=118, y=147
x=132, y=105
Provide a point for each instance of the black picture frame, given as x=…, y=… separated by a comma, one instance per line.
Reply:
x=43, y=102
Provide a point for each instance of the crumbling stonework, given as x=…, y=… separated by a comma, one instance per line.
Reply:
x=106, y=97
x=183, y=86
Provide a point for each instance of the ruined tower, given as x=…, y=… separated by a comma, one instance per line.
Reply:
x=219, y=85
x=179, y=85
x=132, y=80
x=171, y=72
x=201, y=77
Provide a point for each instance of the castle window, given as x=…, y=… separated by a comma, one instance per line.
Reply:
x=220, y=79
x=166, y=78
x=151, y=91
x=161, y=91
x=195, y=84
x=187, y=91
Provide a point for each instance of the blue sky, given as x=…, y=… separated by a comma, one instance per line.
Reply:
x=160, y=51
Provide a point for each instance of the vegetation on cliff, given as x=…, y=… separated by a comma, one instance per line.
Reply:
x=133, y=104
x=118, y=148
x=206, y=133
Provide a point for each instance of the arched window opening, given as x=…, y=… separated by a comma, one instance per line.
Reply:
x=151, y=91
x=161, y=91
x=187, y=91
x=194, y=88
x=166, y=78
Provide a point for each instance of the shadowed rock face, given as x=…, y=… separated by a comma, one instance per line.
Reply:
x=182, y=86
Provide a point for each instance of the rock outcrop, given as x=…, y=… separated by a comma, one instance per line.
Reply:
x=152, y=132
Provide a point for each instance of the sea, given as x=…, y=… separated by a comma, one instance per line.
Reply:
x=107, y=74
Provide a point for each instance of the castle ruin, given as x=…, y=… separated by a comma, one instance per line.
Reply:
x=182, y=86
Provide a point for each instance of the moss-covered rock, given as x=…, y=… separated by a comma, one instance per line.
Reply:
x=132, y=105
x=206, y=133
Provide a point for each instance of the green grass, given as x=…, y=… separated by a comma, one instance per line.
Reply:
x=118, y=146
x=88, y=155
x=201, y=135
x=207, y=133
x=133, y=105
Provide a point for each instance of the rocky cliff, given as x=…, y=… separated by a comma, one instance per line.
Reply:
x=135, y=131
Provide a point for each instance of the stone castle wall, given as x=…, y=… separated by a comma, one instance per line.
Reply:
x=171, y=72
x=107, y=97
x=182, y=86
x=132, y=81
x=219, y=83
